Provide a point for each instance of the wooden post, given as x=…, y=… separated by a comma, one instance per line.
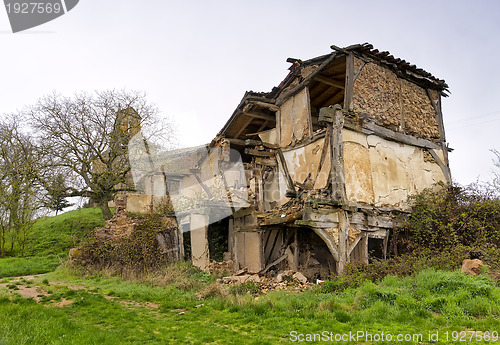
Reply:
x=337, y=171
x=440, y=123
x=349, y=82
x=296, y=249
x=386, y=241
x=343, y=246
x=364, y=249
x=309, y=114
x=334, y=120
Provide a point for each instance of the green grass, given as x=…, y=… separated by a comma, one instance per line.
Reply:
x=432, y=301
x=10, y=267
x=56, y=235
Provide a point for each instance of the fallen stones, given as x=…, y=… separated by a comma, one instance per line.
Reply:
x=241, y=279
x=288, y=279
x=222, y=268
x=300, y=277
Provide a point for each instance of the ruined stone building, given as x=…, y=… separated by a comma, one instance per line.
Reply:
x=316, y=172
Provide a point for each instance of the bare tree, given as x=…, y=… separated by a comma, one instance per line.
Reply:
x=19, y=185
x=86, y=136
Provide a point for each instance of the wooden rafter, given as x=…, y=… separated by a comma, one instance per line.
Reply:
x=245, y=125
x=336, y=98
x=259, y=115
x=328, y=94
x=329, y=81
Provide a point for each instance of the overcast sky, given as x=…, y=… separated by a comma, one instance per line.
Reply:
x=195, y=59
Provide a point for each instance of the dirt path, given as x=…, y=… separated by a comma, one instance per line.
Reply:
x=27, y=287
x=23, y=285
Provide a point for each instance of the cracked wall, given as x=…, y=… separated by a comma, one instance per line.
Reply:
x=294, y=117
x=304, y=166
x=384, y=173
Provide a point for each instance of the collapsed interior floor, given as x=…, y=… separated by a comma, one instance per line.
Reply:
x=298, y=249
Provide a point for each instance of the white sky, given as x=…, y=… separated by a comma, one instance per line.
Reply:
x=196, y=59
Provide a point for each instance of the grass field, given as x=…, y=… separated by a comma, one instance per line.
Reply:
x=50, y=241
x=183, y=306
x=10, y=267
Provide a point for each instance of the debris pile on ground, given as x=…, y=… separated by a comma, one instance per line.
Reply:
x=289, y=279
x=221, y=268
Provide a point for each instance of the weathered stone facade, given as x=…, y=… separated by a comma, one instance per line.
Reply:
x=393, y=102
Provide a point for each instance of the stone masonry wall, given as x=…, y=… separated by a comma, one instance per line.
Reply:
x=393, y=102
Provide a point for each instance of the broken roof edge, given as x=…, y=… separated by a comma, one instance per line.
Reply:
x=391, y=62
x=247, y=97
x=401, y=67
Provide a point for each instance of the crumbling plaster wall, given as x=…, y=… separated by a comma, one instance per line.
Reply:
x=303, y=164
x=394, y=102
x=294, y=117
x=384, y=173
x=248, y=247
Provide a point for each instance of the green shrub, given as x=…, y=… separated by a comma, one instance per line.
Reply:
x=451, y=216
x=138, y=252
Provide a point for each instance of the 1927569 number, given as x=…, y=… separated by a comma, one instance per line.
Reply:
x=471, y=335
x=33, y=7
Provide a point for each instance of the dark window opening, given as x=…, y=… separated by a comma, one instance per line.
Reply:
x=187, y=241
x=218, y=233
x=375, y=249
x=315, y=259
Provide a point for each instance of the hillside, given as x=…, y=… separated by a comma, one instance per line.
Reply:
x=56, y=235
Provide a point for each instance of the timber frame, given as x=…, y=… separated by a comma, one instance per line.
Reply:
x=331, y=155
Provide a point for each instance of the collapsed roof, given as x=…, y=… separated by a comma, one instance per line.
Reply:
x=325, y=76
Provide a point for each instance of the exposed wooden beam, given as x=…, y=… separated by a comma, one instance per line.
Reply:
x=309, y=113
x=269, y=106
x=264, y=125
x=290, y=93
x=337, y=156
x=358, y=72
x=349, y=82
x=270, y=162
x=251, y=142
x=245, y=125
x=355, y=243
x=274, y=263
x=239, y=142
x=336, y=99
x=278, y=219
x=369, y=128
x=204, y=186
x=329, y=93
x=439, y=116
x=288, y=178
x=258, y=153
x=259, y=115
x=330, y=82
x=444, y=168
